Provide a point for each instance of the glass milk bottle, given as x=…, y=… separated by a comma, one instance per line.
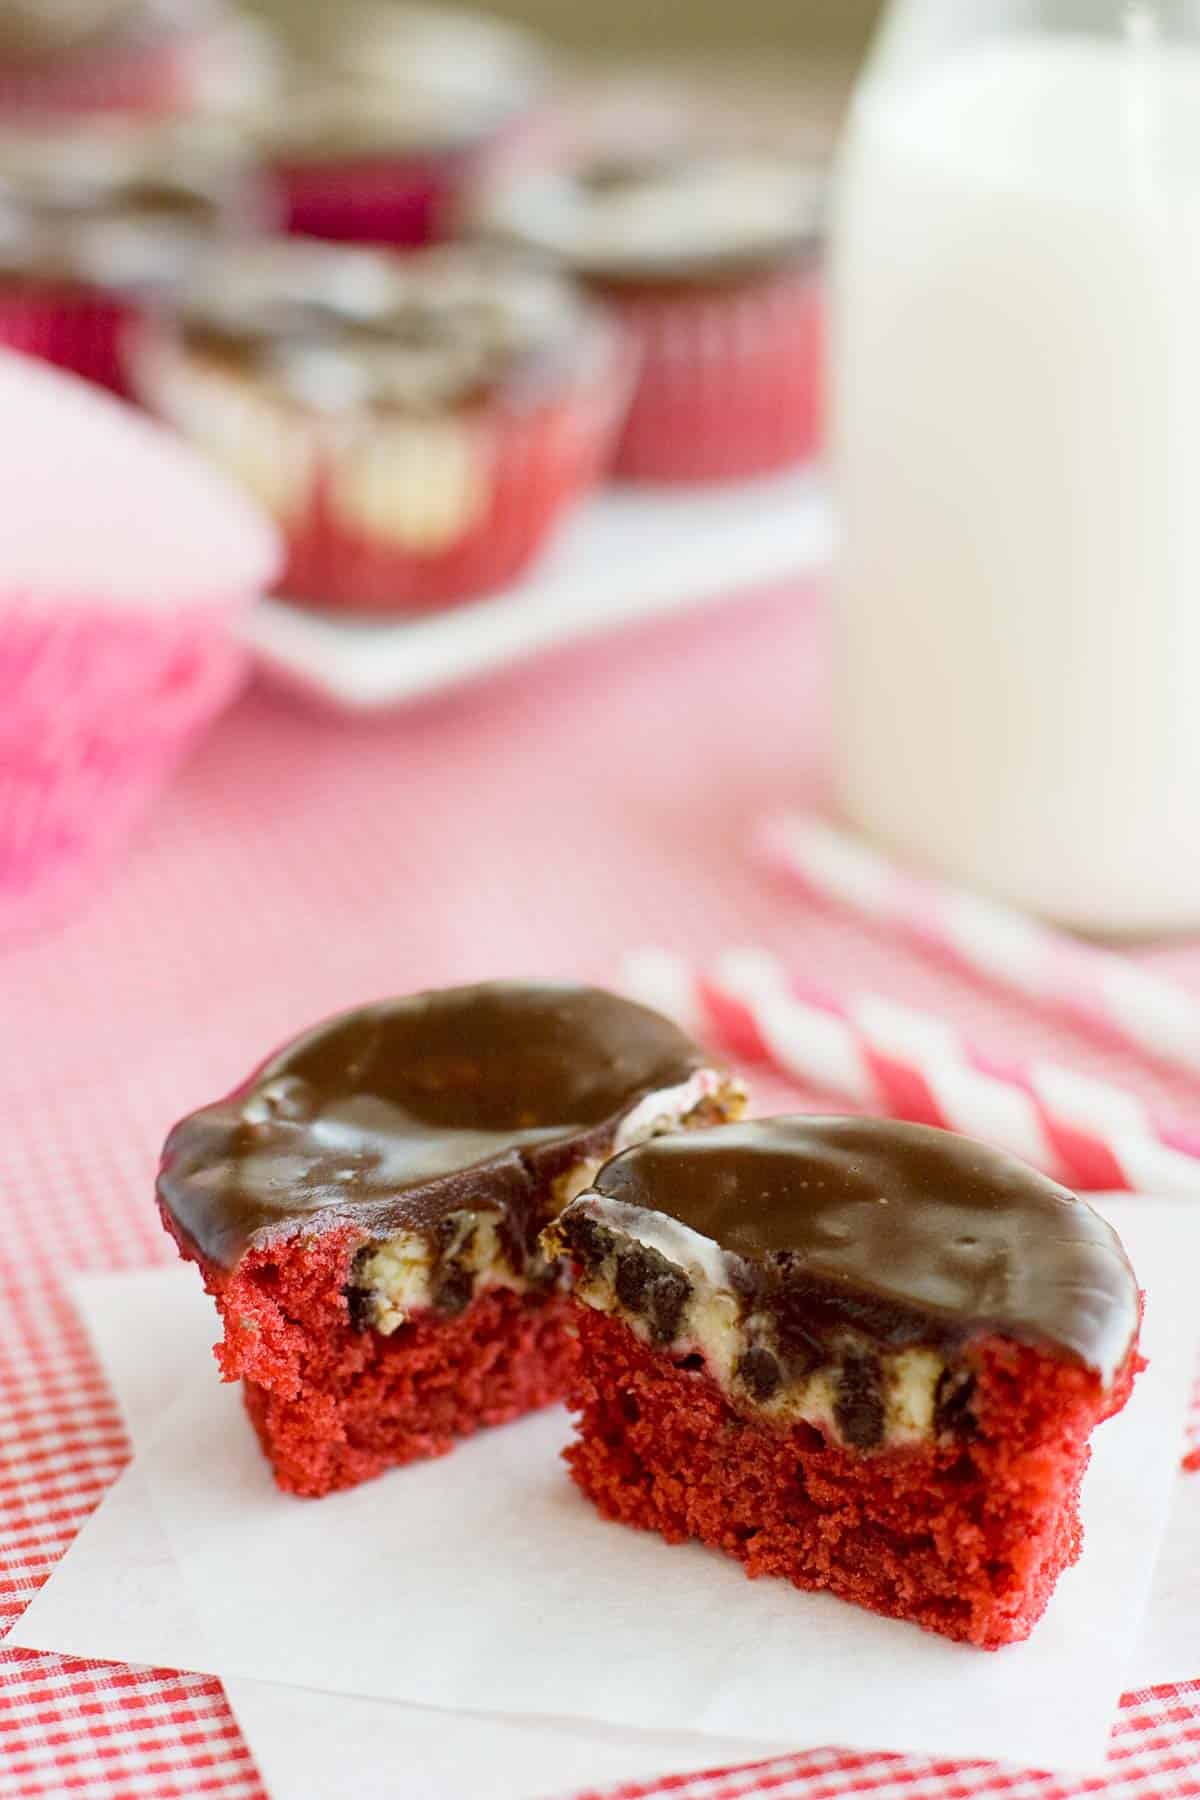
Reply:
x=1016, y=441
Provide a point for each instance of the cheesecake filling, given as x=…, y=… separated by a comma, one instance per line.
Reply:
x=463, y=1254
x=679, y=1292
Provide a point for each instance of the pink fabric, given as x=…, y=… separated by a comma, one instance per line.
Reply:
x=545, y=825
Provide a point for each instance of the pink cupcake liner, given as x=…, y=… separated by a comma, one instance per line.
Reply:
x=729, y=378
x=99, y=710
x=75, y=328
x=158, y=75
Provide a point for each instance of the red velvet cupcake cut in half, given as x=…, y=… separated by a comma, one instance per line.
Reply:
x=861, y=1355
x=366, y=1210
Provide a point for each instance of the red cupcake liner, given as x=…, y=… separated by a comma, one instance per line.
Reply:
x=76, y=328
x=540, y=464
x=405, y=202
x=98, y=711
x=729, y=381
x=515, y=471
x=152, y=76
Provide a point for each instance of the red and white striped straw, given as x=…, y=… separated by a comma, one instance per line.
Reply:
x=909, y=1065
x=1101, y=990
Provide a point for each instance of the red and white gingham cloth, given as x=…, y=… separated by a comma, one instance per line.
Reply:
x=543, y=826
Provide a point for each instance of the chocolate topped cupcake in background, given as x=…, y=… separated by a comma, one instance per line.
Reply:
x=140, y=57
x=708, y=257
x=403, y=110
x=417, y=424
x=99, y=223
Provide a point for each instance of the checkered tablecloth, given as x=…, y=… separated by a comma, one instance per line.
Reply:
x=541, y=826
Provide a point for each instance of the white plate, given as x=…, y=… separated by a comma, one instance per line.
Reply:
x=632, y=554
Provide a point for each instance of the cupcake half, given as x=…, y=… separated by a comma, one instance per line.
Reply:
x=417, y=425
x=407, y=109
x=708, y=259
x=127, y=562
x=99, y=223
x=365, y=1210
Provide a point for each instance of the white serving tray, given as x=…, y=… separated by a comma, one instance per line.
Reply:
x=631, y=554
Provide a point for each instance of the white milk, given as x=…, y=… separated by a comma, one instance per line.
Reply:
x=1017, y=444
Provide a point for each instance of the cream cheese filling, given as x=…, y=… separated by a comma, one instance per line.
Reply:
x=402, y=1274
x=901, y=1386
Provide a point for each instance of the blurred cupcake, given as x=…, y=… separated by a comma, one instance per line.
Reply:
x=409, y=108
x=144, y=57
x=708, y=258
x=127, y=561
x=416, y=424
x=98, y=223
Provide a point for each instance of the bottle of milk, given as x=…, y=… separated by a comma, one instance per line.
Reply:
x=1016, y=442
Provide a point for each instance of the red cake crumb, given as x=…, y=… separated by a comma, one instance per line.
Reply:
x=334, y=1405
x=966, y=1539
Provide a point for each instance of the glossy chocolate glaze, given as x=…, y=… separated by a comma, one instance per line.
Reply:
x=905, y=1233
x=396, y=1115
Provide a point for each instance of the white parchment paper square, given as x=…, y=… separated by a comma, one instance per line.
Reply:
x=118, y=1593
x=483, y=1581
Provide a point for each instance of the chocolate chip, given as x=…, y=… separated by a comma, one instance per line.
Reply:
x=587, y=1240
x=453, y=1289
x=511, y=1245
x=647, y=1284
x=952, y=1403
x=799, y=1347
x=445, y=1233
x=360, y=1303
x=758, y=1372
x=858, y=1407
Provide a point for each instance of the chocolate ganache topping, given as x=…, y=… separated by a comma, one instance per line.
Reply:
x=901, y=1232
x=338, y=329
x=120, y=206
x=662, y=214
x=396, y=1115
